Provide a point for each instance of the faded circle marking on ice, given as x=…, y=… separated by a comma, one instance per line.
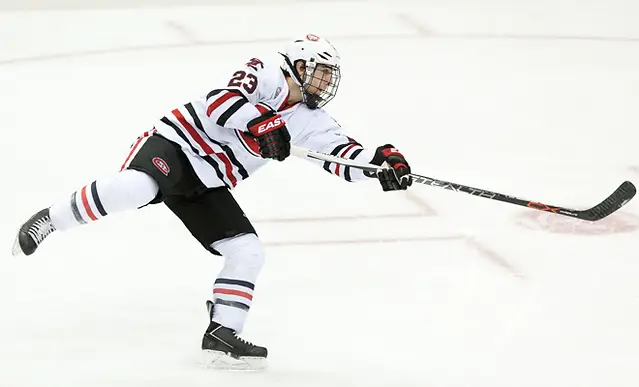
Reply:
x=616, y=223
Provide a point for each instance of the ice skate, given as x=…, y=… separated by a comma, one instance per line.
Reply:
x=223, y=349
x=32, y=233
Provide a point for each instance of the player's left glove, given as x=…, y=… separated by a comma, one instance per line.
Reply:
x=395, y=171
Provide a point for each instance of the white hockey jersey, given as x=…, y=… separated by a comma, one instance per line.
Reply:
x=212, y=129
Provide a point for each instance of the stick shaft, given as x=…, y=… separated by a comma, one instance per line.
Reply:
x=612, y=203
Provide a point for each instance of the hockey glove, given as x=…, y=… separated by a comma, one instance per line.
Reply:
x=395, y=171
x=273, y=139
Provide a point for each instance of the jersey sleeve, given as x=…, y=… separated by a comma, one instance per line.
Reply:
x=249, y=90
x=327, y=137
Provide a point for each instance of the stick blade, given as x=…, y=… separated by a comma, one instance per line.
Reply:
x=622, y=195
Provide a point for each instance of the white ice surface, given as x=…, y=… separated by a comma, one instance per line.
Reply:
x=361, y=287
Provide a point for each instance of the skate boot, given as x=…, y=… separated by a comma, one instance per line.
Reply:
x=223, y=349
x=32, y=233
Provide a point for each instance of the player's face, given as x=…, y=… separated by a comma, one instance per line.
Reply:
x=321, y=79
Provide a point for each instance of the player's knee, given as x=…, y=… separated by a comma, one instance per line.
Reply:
x=244, y=250
x=145, y=187
x=127, y=190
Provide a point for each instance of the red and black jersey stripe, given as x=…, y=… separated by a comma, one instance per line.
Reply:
x=225, y=95
x=342, y=150
x=347, y=169
x=206, y=158
x=206, y=147
x=225, y=148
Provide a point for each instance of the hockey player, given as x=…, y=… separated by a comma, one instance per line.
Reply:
x=195, y=155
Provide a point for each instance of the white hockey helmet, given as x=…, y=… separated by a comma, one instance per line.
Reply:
x=313, y=51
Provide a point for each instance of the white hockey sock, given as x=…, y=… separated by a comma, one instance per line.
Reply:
x=233, y=288
x=128, y=189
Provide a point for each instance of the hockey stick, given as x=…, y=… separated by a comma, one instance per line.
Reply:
x=612, y=203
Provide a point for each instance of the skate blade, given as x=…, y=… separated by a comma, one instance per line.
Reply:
x=17, y=250
x=221, y=361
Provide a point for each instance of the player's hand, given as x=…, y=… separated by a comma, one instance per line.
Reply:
x=272, y=136
x=395, y=171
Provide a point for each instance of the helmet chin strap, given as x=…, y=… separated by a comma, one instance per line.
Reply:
x=311, y=100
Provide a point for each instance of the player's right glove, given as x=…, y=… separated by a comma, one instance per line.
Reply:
x=272, y=135
x=395, y=171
